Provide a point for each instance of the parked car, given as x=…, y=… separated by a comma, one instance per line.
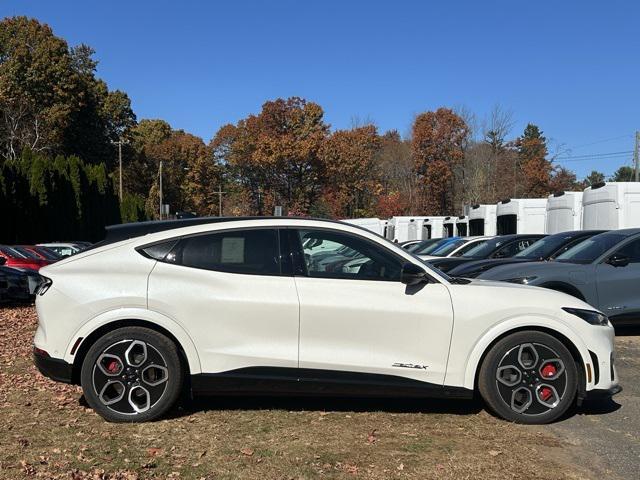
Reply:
x=425, y=247
x=411, y=244
x=4, y=287
x=546, y=248
x=65, y=249
x=14, y=258
x=456, y=249
x=35, y=251
x=604, y=271
x=254, y=314
x=17, y=289
x=504, y=246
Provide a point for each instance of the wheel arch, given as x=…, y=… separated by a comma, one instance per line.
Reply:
x=95, y=329
x=579, y=353
x=564, y=287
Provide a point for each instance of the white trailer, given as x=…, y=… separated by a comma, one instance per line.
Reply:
x=462, y=226
x=611, y=205
x=521, y=215
x=431, y=227
x=373, y=224
x=449, y=227
x=403, y=228
x=482, y=220
x=564, y=212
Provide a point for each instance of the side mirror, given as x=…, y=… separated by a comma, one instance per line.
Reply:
x=618, y=260
x=412, y=274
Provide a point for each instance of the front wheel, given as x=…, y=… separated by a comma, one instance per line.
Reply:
x=529, y=377
x=132, y=374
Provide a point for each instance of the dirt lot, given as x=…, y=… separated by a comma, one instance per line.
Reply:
x=47, y=432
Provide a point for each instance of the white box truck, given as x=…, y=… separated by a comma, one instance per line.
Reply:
x=462, y=226
x=403, y=228
x=449, y=225
x=521, y=215
x=372, y=224
x=611, y=205
x=431, y=227
x=482, y=220
x=564, y=212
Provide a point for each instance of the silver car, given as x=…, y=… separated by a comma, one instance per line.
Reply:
x=603, y=270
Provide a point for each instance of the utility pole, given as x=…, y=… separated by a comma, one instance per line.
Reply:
x=160, y=195
x=636, y=156
x=219, y=193
x=120, y=142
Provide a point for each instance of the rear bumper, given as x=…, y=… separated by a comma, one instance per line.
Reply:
x=53, y=368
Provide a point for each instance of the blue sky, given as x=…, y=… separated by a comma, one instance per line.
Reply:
x=569, y=66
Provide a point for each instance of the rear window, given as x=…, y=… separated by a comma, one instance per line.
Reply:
x=253, y=252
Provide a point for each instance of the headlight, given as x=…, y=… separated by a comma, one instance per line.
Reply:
x=521, y=280
x=590, y=316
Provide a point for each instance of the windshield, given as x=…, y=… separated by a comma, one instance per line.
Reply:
x=26, y=252
x=445, y=250
x=544, y=247
x=425, y=248
x=591, y=249
x=484, y=249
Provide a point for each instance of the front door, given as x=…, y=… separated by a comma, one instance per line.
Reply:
x=618, y=286
x=356, y=316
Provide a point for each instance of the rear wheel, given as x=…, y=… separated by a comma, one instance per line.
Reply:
x=529, y=377
x=132, y=374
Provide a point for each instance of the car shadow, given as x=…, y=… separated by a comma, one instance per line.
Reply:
x=333, y=404
x=627, y=330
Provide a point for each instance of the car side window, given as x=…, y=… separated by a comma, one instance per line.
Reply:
x=510, y=249
x=631, y=250
x=253, y=252
x=329, y=254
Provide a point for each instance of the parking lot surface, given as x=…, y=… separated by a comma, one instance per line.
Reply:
x=606, y=435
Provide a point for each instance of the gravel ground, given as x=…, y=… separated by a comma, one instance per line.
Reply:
x=606, y=435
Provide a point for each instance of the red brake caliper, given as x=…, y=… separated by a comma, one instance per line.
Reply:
x=549, y=370
x=113, y=366
x=545, y=393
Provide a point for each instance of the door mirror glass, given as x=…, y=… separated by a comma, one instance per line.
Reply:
x=412, y=274
x=618, y=260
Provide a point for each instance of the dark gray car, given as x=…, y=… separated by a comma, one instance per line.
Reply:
x=603, y=270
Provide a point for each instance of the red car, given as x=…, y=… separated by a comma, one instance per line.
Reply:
x=36, y=251
x=19, y=260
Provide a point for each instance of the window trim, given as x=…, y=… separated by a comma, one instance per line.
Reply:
x=181, y=238
x=300, y=267
x=615, y=249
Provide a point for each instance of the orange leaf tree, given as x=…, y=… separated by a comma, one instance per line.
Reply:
x=437, y=148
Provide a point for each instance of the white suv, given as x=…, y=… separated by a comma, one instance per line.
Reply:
x=276, y=305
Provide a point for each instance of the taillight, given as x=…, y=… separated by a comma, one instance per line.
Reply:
x=44, y=285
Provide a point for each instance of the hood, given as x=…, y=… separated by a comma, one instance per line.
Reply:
x=516, y=270
x=476, y=267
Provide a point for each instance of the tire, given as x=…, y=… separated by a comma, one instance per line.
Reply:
x=528, y=377
x=132, y=374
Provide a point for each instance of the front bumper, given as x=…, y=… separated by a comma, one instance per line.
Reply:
x=54, y=368
x=603, y=393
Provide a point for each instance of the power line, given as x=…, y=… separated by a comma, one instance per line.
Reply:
x=581, y=158
x=604, y=140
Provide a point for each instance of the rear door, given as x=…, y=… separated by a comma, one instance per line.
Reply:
x=361, y=319
x=618, y=287
x=234, y=294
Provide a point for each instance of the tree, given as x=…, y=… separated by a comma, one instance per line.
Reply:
x=274, y=156
x=350, y=169
x=398, y=179
x=593, y=178
x=563, y=179
x=623, y=174
x=534, y=167
x=437, y=148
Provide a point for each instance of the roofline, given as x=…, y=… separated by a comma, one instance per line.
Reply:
x=126, y=231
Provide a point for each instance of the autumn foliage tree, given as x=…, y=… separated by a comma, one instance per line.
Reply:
x=350, y=171
x=437, y=140
x=534, y=167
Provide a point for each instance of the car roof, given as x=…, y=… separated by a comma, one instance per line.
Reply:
x=126, y=231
